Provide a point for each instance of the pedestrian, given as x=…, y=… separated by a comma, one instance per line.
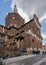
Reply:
x=1, y=61
x=43, y=52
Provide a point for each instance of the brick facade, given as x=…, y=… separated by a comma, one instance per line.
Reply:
x=16, y=33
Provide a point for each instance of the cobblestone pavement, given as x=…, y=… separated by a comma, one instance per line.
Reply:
x=31, y=61
x=43, y=63
x=26, y=60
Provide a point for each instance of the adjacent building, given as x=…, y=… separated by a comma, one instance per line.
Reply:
x=22, y=35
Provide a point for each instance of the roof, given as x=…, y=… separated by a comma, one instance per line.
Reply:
x=14, y=14
x=3, y=26
x=21, y=26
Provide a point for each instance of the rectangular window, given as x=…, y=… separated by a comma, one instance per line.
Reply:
x=32, y=40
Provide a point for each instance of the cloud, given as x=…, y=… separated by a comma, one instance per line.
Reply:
x=43, y=35
x=31, y=7
x=44, y=38
x=45, y=21
x=6, y=14
x=27, y=8
x=42, y=18
x=23, y=14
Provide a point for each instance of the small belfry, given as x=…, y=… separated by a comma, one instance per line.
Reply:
x=15, y=9
x=14, y=19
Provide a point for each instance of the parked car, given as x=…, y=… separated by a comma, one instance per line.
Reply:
x=36, y=52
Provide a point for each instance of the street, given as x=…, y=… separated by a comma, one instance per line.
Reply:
x=30, y=61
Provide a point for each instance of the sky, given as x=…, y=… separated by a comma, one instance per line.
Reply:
x=27, y=8
x=5, y=8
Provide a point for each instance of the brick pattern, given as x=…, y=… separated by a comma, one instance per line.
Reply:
x=15, y=30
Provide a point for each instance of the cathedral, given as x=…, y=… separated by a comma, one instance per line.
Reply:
x=17, y=33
